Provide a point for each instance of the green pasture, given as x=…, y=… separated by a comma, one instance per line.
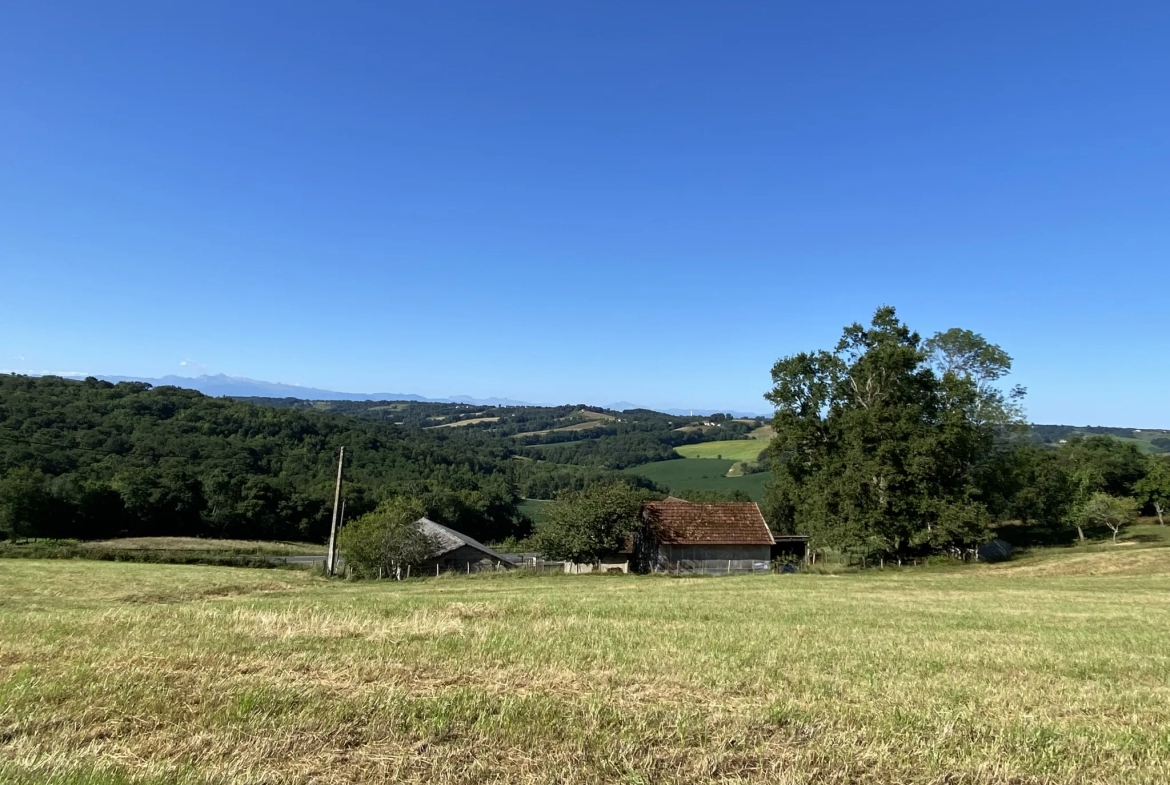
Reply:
x=735, y=450
x=536, y=509
x=702, y=475
x=1038, y=673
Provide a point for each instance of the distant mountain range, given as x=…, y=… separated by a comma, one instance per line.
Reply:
x=222, y=385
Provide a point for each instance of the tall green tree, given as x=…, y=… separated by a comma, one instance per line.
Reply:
x=583, y=526
x=1154, y=488
x=968, y=356
x=876, y=447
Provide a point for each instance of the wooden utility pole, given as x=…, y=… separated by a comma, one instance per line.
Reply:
x=337, y=539
x=331, y=557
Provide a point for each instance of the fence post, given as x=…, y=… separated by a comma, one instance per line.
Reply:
x=729, y=566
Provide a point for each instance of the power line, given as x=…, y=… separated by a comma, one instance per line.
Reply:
x=58, y=446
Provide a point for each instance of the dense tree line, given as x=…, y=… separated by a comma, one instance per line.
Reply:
x=545, y=480
x=94, y=460
x=616, y=452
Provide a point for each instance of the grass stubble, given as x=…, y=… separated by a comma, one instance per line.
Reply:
x=137, y=673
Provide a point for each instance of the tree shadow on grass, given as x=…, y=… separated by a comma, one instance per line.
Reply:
x=1030, y=534
x=1033, y=534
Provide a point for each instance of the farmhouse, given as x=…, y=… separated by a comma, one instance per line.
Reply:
x=456, y=552
x=680, y=536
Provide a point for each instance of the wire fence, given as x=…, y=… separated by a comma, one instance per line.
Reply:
x=714, y=567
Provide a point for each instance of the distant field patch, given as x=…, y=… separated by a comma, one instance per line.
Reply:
x=472, y=421
x=737, y=450
x=577, y=426
x=581, y=426
x=763, y=433
x=588, y=415
x=536, y=509
x=701, y=475
x=1142, y=438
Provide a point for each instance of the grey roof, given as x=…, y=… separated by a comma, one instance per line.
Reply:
x=447, y=540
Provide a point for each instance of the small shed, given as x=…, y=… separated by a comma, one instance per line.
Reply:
x=456, y=552
x=681, y=536
x=790, y=545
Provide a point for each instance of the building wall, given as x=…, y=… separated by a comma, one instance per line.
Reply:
x=605, y=565
x=712, y=559
x=460, y=559
x=674, y=553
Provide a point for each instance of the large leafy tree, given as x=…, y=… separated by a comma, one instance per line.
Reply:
x=582, y=526
x=1154, y=488
x=965, y=356
x=878, y=441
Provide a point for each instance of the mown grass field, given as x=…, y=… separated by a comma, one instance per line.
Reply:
x=260, y=547
x=734, y=450
x=1028, y=673
x=165, y=550
x=704, y=475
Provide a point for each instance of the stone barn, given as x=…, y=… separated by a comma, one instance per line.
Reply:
x=681, y=536
x=456, y=552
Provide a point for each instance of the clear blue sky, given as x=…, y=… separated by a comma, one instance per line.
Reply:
x=585, y=201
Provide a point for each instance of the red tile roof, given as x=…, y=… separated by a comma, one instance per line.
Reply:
x=678, y=522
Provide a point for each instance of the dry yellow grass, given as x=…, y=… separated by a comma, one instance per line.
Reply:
x=114, y=673
x=1127, y=558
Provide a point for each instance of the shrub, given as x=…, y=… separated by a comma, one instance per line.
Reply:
x=385, y=542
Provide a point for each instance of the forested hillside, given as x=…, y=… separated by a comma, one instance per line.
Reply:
x=93, y=459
